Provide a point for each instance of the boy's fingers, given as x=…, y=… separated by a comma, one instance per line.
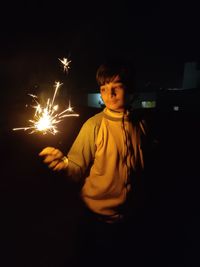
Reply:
x=53, y=164
x=59, y=166
x=50, y=151
x=53, y=157
x=57, y=153
x=49, y=159
x=46, y=150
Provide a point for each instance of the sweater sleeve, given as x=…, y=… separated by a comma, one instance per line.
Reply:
x=81, y=154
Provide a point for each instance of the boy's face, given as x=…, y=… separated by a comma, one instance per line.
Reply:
x=113, y=94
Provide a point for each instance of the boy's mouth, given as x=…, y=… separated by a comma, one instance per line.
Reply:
x=112, y=102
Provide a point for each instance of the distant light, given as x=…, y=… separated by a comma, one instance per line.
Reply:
x=95, y=100
x=149, y=104
x=176, y=108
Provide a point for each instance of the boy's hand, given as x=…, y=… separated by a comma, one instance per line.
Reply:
x=54, y=158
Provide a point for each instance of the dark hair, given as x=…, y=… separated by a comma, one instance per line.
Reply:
x=112, y=68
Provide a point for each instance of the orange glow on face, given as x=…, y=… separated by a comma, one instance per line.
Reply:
x=113, y=94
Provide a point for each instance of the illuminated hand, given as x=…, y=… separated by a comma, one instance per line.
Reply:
x=54, y=158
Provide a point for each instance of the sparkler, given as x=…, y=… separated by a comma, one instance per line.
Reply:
x=65, y=63
x=47, y=117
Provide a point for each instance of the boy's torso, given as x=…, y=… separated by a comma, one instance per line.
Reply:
x=109, y=181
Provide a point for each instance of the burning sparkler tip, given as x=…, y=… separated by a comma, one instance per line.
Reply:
x=45, y=119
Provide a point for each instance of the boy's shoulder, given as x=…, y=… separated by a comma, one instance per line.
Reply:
x=95, y=120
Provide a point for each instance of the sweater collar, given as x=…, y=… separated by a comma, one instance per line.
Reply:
x=114, y=115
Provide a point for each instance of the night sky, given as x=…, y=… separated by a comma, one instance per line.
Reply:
x=158, y=37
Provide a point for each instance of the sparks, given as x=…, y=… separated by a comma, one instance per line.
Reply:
x=65, y=63
x=46, y=118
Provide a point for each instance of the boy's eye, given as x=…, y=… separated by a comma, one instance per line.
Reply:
x=102, y=90
x=119, y=87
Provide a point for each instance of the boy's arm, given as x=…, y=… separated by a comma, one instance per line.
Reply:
x=81, y=154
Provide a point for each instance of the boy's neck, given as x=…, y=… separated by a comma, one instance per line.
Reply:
x=118, y=111
x=125, y=111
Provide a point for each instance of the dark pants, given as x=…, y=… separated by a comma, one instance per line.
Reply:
x=110, y=244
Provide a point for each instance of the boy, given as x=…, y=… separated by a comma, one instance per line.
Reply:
x=107, y=158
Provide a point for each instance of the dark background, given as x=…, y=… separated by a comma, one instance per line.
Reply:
x=39, y=209
x=158, y=36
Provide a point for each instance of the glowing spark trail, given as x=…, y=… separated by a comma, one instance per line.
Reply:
x=65, y=63
x=45, y=119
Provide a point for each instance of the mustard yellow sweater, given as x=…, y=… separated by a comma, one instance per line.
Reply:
x=105, y=154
